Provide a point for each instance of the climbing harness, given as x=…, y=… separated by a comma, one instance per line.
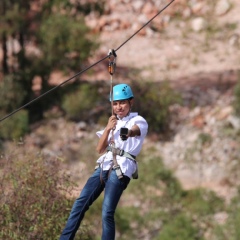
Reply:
x=122, y=153
x=112, y=66
x=116, y=151
x=112, y=57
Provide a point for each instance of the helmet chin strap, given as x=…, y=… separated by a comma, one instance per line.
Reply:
x=130, y=107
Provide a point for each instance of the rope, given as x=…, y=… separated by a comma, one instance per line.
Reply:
x=111, y=68
x=84, y=70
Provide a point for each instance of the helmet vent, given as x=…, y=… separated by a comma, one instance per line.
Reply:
x=124, y=90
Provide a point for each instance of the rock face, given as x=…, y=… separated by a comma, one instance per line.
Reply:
x=202, y=65
x=186, y=38
x=181, y=45
x=132, y=14
x=201, y=153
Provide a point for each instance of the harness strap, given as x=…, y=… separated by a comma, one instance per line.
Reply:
x=121, y=153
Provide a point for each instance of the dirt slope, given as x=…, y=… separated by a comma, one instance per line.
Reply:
x=184, y=47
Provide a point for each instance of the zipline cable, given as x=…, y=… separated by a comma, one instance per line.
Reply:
x=145, y=25
x=84, y=70
x=52, y=89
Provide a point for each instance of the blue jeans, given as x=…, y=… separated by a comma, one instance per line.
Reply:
x=114, y=188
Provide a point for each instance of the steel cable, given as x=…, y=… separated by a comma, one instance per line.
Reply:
x=84, y=70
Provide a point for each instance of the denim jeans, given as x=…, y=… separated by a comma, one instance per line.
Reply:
x=114, y=188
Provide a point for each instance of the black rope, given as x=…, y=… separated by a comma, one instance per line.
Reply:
x=84, y=70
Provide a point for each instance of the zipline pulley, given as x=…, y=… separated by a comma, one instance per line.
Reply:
x=112, y=56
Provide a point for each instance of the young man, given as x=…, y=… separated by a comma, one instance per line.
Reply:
x=127, y=131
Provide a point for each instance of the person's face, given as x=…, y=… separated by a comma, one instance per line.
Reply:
x=121, y=108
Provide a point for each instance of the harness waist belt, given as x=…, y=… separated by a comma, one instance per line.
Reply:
x=121, y=153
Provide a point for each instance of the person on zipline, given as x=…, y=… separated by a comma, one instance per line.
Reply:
x=120, y=142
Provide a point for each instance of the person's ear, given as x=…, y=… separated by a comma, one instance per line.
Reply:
x=131, y=102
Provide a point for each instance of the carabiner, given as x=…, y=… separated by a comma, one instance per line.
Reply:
x=112, y=56
x=111, y=67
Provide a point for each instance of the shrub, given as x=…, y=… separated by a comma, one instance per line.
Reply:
x=153, y=101
x=236, y=103
x=15, y=126
x=205, y=139
x=79, y=103
x=11, y=97
x=202, y=202
x=180, y=228
x=230, y=228
x=12, y=93
x=35, y=199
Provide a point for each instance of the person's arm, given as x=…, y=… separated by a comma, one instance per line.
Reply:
x=134, y=131
x=103, y=140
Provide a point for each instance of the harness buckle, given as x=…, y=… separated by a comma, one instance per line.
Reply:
x=121, y=152
x=118, y=171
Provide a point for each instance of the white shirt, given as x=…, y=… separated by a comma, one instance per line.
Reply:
x=132, y=145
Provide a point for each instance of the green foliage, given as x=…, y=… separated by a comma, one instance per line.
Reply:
x=204, y=138
x=80, y=103
x=93, y=6
x=173, y=189
x=230, y=229
x=124, y=217
x=153, y=207
x=170, y=212
x=35, y=199
x=236, y=103
x=149, y=167
x=153, y=171
x=202, y=202
x=180, y=228
x=12, y=93
x=152, y=100
x=15, y=126
x=67, y=47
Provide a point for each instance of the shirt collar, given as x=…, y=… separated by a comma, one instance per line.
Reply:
x=129, y=116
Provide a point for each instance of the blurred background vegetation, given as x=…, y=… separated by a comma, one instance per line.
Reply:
x=36, y=191
x=57, y=38
x=37, y=197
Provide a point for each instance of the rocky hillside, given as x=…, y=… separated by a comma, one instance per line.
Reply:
x=188, y=38
x=193, y=44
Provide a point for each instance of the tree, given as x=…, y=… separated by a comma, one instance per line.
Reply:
x=44, y=36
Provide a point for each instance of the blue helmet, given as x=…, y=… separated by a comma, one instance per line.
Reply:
x=121, y=92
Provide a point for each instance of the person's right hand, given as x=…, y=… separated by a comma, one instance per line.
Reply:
x=112, y=122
